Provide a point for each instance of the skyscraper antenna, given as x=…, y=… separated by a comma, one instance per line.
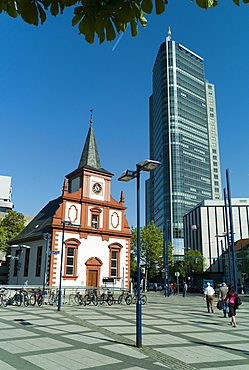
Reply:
x=168, y=38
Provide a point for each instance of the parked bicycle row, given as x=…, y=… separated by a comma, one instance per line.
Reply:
x=32, y=296
x=95, y=297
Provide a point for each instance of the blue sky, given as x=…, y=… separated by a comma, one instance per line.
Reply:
x=51, y=78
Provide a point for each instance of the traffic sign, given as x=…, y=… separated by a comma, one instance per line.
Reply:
x=53, y=252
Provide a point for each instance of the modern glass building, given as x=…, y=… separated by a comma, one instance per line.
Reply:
x=184, y=137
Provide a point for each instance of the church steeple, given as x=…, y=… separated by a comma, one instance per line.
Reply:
x=90, y=155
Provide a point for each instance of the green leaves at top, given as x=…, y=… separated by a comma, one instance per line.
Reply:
x=206, y=3
x=102, y=18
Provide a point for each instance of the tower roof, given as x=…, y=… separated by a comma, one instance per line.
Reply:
x=90, y=155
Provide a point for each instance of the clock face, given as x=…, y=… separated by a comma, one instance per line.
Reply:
x=97, y=187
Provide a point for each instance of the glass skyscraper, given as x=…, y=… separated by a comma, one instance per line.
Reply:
x=183, y=137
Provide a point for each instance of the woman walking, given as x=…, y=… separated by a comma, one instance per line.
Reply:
x=231, y=298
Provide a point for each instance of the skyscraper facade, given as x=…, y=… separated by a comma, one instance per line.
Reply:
x=183, y=137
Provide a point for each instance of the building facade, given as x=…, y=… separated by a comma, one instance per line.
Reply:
x=183, y=137
x=85, y=224
x=209, y=234
x=5, y=194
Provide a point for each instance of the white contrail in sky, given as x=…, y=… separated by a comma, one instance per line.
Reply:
x=120, y=37
x=117, y=42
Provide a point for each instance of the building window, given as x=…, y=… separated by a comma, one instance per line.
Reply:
x=217, y=190
x=16, y=262
x=26, y=262
x=71, y=257
x=215, y=157
x=214, y=151
x=216, y=183
x=95, y=218
x=215, y=164
x=216, y=177
x=114, y=264
x=70, y=261
x=38, y=261
x=215, y=169
x=114, y=260
x=95, y=221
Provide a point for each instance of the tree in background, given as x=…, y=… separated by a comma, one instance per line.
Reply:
x=192, y=263
x=242, y=259
x=10, y=226
x=102, y=18
x=151, y=249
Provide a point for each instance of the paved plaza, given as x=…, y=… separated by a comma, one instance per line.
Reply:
x=178, y=333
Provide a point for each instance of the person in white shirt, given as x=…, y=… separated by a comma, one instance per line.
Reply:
x=209, y=296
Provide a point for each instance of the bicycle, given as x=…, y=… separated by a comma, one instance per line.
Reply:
x=125, y=297
x=107, y=297
x=36, y=297
x=3, y=298
x=143, y=299
x=20, y=296
x=53, y=298
x=77, y=298
x=90, y=297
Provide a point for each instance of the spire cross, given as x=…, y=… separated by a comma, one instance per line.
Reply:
x=91, y=117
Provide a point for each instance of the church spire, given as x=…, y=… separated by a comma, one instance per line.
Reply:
x=90, y=155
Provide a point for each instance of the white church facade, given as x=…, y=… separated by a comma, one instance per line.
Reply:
x=85, y=226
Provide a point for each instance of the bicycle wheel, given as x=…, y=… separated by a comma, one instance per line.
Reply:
x=51, y=299
x=134, y=299
x=87, y=299
x=39, y=300
x=32, y=299
x=26, y=301
x=17, y=299
x=121, y=299
x=4, y=302
x=110, y=300
x=80, y=300
x=128, y=300
x=94, y=300
x=143, y=299
x=1, y=300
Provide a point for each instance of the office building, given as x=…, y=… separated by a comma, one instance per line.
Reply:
x=183, y=137
x=209, y=236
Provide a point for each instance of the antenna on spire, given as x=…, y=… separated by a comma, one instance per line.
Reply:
x=168, y=38
x=91, y=117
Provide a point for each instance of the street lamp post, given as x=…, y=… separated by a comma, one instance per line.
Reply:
x=69, y=223
x=231, y=231
x=46, y=236
x=146, y=165
x=21, y=247
x=166, y=260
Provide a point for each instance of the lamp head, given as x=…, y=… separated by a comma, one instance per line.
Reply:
x=148, y=165
x=127, y=175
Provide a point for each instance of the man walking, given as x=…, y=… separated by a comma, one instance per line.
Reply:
x=209, y=296
x=185, y=288
x=222, y=296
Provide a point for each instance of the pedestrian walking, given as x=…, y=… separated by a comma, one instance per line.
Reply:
x=185, y=288
x=231, y=298
x=209, y=297
x=26, y=283
x=222, y=295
